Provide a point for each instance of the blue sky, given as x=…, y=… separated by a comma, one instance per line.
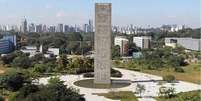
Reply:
x=136, y=12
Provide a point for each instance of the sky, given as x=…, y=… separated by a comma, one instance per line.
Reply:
x=124, y=12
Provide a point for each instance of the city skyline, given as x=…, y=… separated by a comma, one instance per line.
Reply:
x=140, y=13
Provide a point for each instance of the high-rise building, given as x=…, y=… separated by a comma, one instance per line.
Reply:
x=44, y=28
x=85, y=28
x=143, y=41
x=60, y=28
x=66, y=28
x=122, y=42
x=52, y=29
x=24, y=28
x=32, y=28
x=90, y=27
x=39, y=28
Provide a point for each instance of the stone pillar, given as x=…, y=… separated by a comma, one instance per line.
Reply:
x=103, y=29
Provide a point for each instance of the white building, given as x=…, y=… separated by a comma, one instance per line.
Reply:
x=122, y=42
x=54, y=51
x=32, y=50
x=142, y=41
x=188, y=43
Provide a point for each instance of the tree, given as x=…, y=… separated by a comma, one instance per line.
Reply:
x=54, y=91
x=40, y=68
x=115, y=51
x=13, y=81
x=63, y=61
x=167, y=92
x=1, y=98
x=140, y=89
x=22, y=62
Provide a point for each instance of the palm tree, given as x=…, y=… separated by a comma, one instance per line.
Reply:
x=140, y=89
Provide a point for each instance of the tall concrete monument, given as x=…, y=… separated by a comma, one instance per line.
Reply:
x=103, y=28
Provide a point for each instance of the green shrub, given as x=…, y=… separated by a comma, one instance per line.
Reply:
x=115, y=73
x=1, y=98
x=88, y=75
x=169, y=78
x=179, y=69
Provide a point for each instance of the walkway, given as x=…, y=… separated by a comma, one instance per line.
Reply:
x=149, y=81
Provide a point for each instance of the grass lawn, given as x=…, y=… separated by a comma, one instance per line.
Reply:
x=122, y=95
x=187, y=96
x=192, y=73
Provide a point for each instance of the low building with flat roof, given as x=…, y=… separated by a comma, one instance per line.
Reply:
x=187, y=42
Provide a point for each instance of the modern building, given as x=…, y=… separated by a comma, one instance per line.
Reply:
x=7, y=43
x=11, y=38
x=188, y=43
x=142, y=41
x=52, y=29
x=90, y=28
x=122, y=42
x=24, y=26
x=32, y=27
x=39, y=28
x=6, y=46
x=60, y=28
x=31, y=50
x=66, y=28
x=54, y=51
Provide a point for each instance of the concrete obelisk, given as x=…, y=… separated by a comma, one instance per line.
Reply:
x=103, y=28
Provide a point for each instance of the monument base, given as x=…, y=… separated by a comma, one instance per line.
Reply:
x=89, y=83
x=102, y=82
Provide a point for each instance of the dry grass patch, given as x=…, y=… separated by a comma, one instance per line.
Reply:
x=192, y=73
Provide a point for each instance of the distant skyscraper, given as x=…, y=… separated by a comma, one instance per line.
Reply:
x=90, y=26
x=39, y=28
x=66, y=28
x=24, y=28
x=60, y=28
x=52, y=29
x=85, y=28
x=44, y=28
x=32, y=27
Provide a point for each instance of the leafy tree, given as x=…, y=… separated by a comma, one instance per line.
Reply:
x=115, y=51
x=63, y=61
x=54, y=91
x=40, y=68
x=21, y=62
x=1, y=98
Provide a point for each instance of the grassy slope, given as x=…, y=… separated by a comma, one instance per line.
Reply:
x=122, y=95
x=192, y=73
